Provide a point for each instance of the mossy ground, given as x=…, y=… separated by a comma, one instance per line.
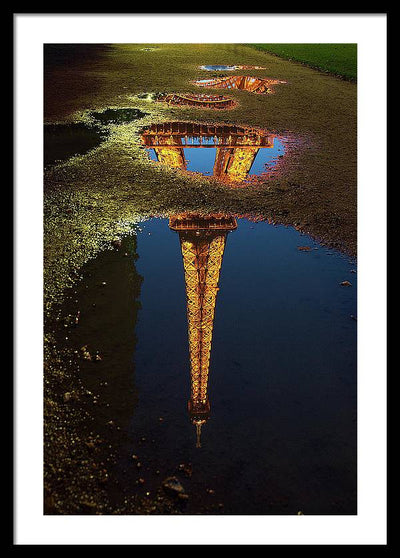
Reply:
x=93, y=198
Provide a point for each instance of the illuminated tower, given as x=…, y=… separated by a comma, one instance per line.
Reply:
x=202, y=241
x=261, y=86
x=233, y=164
x=171, y=155
x=236, y=147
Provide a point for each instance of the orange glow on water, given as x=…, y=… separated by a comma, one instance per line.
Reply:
x=260, y=86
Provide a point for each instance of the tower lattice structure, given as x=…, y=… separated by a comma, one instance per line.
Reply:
x=202, y=240
x=236, y=147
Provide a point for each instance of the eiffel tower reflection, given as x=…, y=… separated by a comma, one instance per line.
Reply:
x=202, y=240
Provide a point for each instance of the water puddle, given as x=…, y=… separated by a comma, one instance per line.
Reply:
x=222, y=68
x=63, y=141
x=215, y=356
x=260, y=86
x=118, y=116
x=231, y=154
x=215, y=102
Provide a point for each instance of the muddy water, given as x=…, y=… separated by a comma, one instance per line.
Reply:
x=280, y=432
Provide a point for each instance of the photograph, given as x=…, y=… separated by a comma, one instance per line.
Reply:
x=200, y=271
x=200, y=278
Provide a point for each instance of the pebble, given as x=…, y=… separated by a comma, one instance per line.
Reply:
x=172, y=486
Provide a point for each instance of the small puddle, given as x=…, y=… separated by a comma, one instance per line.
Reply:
x=118, y=116
x=231, y=154
x=63, y=141
x=216, y=102
x=221, y=68
x=211, y=343
x=260, y=86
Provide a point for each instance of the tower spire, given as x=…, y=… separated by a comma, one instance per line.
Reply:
x=198, y=425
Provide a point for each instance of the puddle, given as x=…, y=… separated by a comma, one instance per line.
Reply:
x=118, y=116
x=221, y=68
x=149, y=49
x=219, y=364
x=231, y=154
x=62, y=141
x=148, y=96
x=261, y=86
x=216, y=102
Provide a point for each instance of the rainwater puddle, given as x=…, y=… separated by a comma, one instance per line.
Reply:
x=228, y=359
x=118, y=116
x=221, y=68
x=197, y=100
x=62, y=141
x=260, y=86
x=231, y=154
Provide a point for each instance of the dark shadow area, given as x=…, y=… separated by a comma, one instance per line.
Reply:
x=118, y=116
x=62, y=141
x=95, y=330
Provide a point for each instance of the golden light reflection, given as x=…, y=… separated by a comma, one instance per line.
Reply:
x=202, y=240
x=215, y=102
x=236, y=147
x=231, y=67
x=260, y=86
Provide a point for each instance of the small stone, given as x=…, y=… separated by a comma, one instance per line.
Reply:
x=304, y=248
x=345, y=284
x=172, y=486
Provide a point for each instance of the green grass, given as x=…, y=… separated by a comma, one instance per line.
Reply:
x=337, y=59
